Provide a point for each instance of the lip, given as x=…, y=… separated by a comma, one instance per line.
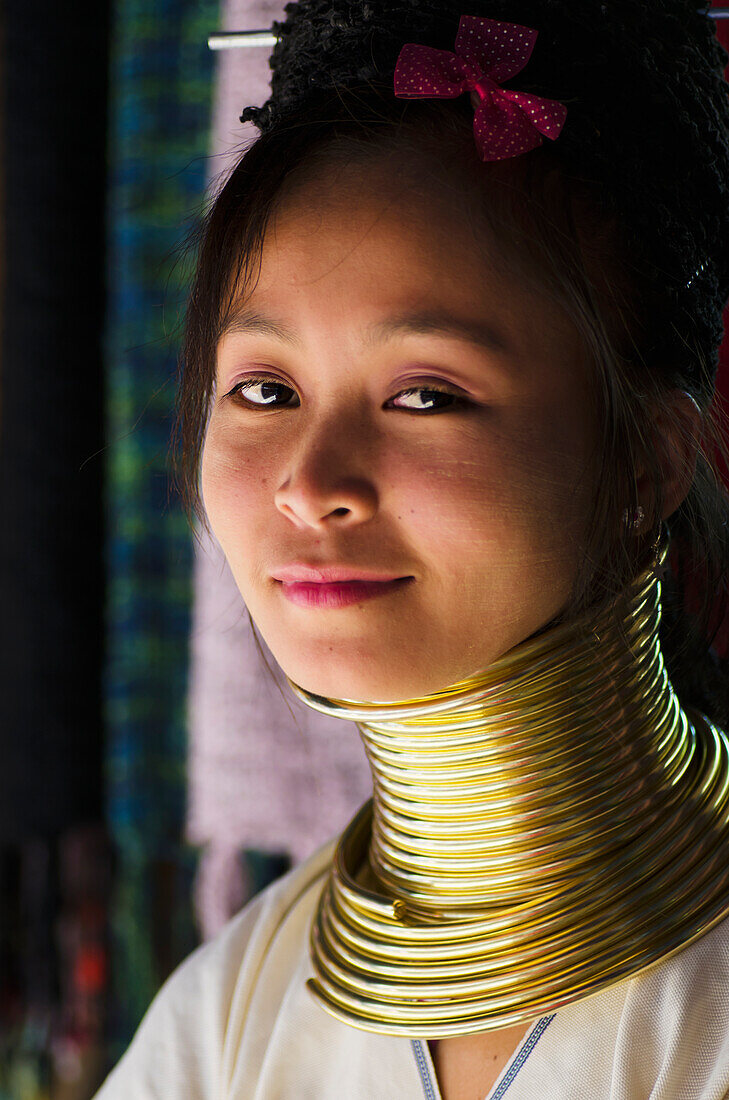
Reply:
x=329, y=574
x=324, y=594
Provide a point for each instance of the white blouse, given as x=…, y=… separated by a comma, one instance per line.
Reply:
x=235, y=1021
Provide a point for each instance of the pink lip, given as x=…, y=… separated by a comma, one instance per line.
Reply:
x=334, y=574
x=340, y=594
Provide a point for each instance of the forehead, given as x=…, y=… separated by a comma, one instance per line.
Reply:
x=376, y=241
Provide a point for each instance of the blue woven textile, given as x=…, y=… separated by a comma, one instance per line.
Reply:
x=161, y=87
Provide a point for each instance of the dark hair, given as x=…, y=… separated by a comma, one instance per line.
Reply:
x=556, y=229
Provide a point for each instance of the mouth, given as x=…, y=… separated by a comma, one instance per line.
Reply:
x=344, y=593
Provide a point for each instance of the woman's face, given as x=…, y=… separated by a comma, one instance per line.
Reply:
x=406, y=412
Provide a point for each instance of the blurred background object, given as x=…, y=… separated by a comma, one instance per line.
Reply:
x=54, y=859
x=154, y=778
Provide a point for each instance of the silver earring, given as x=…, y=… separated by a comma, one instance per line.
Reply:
x=638, y=517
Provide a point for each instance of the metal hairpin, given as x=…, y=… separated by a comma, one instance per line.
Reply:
x=241, y=38
x=231, y=40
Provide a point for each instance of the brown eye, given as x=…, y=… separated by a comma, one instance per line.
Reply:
x=426, y=399
x=264, y=392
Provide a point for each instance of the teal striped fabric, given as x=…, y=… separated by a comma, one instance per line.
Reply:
x=161, y=88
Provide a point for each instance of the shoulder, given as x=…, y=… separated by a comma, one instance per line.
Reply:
x=674, y=1028
x=171, y=1055
x=675, y=1024
x=692, y=984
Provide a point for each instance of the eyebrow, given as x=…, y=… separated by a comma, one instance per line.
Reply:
x=415, y=323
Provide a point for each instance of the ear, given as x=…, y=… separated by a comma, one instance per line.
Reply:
x=675, y=436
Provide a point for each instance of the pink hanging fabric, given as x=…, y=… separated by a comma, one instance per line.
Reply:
x=264, y=772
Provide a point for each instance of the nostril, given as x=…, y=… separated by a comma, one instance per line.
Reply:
x=315, y=504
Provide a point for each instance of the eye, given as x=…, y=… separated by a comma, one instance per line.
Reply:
x=427, y=399
x=263, y=392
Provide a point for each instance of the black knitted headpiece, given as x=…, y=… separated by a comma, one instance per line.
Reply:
x=648, y=118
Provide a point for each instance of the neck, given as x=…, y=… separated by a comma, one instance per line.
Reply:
x=536, y=833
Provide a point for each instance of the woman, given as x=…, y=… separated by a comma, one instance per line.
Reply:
x=449, y=368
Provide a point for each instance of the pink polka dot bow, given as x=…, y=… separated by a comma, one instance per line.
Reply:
x=505, y=123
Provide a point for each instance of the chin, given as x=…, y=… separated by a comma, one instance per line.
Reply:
x=337, y=683
x=369, y=667
x=364, y=681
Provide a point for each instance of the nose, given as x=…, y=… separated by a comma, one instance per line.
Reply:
x=324, y=485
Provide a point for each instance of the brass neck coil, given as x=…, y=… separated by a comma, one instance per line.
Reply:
x=537, y=832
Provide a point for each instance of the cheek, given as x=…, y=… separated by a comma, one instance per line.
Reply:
x=512, y=481
x=234, y=483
